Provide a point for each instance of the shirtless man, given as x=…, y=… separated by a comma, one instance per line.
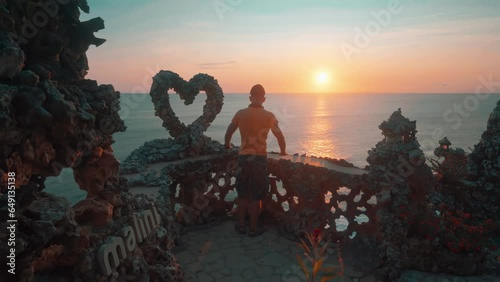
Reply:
x=252, y=181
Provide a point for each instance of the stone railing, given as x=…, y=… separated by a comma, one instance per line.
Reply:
x=301, y=197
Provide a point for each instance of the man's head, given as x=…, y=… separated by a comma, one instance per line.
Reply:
x=257, y=94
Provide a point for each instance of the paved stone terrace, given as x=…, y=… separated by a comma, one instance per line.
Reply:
x=220, y=254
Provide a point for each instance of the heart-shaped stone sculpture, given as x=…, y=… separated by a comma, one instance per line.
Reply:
x=187, y=90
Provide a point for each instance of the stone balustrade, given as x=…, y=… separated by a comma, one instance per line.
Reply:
x=301, y=197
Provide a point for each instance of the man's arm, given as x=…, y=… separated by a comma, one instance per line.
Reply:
x=229, y=134
x=280, y=137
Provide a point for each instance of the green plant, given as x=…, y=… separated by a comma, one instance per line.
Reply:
x=315, y=253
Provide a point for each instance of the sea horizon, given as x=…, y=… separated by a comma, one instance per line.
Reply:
x=324, y=126
x=341, y=93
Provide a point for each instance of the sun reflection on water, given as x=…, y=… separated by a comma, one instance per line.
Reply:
x=320, y=133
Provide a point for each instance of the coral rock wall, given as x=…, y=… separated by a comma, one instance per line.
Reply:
x=401, y=180
x=51, y=118
x=483, y=166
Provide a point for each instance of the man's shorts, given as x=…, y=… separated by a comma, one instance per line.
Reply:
x=253, y=177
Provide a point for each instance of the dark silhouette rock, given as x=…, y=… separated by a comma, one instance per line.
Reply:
x=93, y=212
x=81, y=36
x=11, y=62
x=483, y=168
x=402, y=181
x=27, y=78
x=453, y=167
x=51, y=118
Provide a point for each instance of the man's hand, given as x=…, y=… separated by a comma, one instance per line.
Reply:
x=276, y=130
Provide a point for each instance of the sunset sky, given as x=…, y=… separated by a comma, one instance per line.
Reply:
x=292, y=46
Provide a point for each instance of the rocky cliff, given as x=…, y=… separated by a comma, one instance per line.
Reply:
x=483, y=166
x=52, y=117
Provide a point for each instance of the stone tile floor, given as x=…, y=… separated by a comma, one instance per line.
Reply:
x=220, y=254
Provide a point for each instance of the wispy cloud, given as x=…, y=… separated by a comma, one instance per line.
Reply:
x=218, y=65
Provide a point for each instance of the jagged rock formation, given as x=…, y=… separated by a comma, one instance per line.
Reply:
x=411, y=233
x=48, y=128
x=483, y=167
x=483, y=161
x=453, y=166
x=51, y=118
x=397, y=160
x=469, y=184
x=57, y=241
x=401, y=180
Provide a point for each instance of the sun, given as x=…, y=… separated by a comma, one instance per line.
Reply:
x=322, y=77
x=322, y=80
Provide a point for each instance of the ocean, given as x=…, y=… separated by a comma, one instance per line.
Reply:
x=336, y=125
